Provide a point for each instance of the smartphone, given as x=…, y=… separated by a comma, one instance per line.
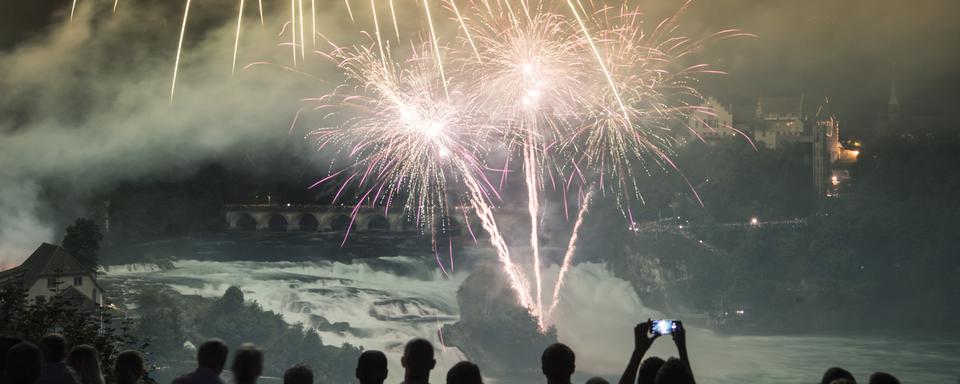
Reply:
x=663, y=327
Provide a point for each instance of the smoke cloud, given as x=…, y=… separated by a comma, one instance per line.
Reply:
x=86, y=104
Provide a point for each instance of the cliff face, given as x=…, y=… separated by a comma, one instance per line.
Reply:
x=494, y=331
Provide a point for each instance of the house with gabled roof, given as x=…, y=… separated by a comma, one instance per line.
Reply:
x=51, y=271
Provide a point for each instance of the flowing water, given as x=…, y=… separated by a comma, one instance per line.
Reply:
x=389, y=300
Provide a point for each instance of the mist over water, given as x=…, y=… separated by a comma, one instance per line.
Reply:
x=389, y=300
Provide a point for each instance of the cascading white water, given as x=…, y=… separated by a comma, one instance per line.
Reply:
x=595, y=316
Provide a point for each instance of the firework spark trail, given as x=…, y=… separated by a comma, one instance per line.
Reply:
x=466, y=31
x=376, y=24
x=115, y=2
x=176, y=63
x=571, y=249
x=303, y=44
x=313, y=22
x=236, y=44
x=531, y=169
x=260, y=7
x=73, y=7
x=293, y=30
x=349, y=11
x=517, y=280
x=393, y=15
x=436, y=45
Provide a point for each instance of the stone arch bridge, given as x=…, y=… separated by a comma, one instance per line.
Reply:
x=319, y=218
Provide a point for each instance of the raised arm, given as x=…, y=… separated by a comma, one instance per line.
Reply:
x=680, y=339
x=642, y=340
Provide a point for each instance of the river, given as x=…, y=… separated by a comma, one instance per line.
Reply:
x=388, y=300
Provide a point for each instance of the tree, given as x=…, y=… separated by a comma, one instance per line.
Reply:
x=79, y=322
x=83, y=242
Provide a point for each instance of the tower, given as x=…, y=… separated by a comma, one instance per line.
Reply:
x=893, y=103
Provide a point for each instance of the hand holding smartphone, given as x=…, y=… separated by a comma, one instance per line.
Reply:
x=664, y=327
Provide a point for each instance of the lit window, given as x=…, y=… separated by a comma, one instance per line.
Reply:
x=78, y=280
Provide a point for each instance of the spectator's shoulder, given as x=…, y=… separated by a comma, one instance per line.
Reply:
x=185, y=378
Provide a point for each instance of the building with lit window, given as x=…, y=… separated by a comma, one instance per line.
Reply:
x=51, y=271
x=711, y=122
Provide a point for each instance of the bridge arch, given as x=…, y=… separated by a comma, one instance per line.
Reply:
x=308, y=222
x=244, y=221
x=275, y=222
x=377, y=222
x=338, y=222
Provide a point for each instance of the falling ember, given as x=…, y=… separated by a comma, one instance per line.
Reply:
x=393, y=15
x=73, y=7
x=293, y=31
x=436, y=46
x=349, y=11
x=236, y=44
x=176, y=63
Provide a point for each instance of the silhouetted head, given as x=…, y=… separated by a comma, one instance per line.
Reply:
x=23, y=362
x=212, y=355
x=674, y=371
x=464, y=372
x=649, y=369
x=558, y=362
x=6, y=342
x=883, y=378
x=247, y=364
x=129, y=367
x=372, y=367
x=418, y=359
x=837, y=373
x=298, y=374
x=85, y=360
x=54, y=347
x=597, y=380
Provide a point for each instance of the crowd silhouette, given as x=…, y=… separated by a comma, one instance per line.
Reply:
x=49, y=362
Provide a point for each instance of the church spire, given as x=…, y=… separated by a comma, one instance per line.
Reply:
x=893, y=104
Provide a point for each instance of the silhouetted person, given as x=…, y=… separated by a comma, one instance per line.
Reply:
x=464, y=372
x=298, y=374
x=883, y=378
x=558, y=363
x=6, y=342
x=597, y=380
x=211, y=358
x=642, y=340
x=372, y=367
x=85, y=361
x=837, y=373
x=247, y=364
x=23, y=364
x=674, y=371
x=648, y=370
x=417, y=361
x=129, y=367
x=55, y=369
